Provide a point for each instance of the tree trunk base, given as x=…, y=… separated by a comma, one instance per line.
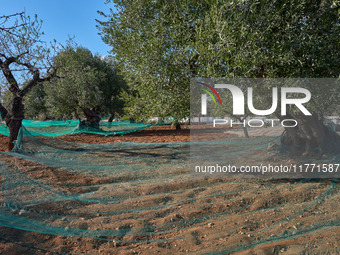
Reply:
x=14, y=127
x=310, y=138
x=92, y=120
x=111, y=118
x=14, y=119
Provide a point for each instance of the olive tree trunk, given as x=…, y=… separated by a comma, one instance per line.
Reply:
x=111, y=118
x=13, y=119
x=310, y=136
x=92, y=119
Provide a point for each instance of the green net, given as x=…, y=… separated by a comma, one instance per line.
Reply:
x=143, y=193
x=54, y=128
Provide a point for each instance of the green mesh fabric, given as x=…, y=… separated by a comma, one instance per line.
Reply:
x=142, y=193
x=54, y=128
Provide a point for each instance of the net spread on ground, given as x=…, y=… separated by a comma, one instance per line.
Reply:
x=135, y=193
x=53, y=128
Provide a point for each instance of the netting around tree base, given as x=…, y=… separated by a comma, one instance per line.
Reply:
x=53, y=128
x=114, y=196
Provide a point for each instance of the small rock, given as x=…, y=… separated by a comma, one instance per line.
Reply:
x=211, y=224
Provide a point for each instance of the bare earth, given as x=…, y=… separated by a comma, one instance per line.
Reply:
x=203, y=216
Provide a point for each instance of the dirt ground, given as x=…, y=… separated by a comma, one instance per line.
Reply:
x=158, y=134
x=198, y=216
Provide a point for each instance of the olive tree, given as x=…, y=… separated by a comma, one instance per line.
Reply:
x=24, y=62
x=87, y=85
x=159, y=45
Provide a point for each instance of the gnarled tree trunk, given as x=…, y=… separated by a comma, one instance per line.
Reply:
x=111, y=118
x=13, y=119
x=310, y=136
x=92, y=119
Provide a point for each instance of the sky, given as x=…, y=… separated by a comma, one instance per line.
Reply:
x=64, y=18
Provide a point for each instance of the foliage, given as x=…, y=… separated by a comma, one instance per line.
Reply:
x=23, y=56
x=159, y=45
x=34, y=103
x=84, y=81
x=22, y=53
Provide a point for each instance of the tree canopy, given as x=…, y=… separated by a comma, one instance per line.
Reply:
x=24, y=58
x=24, y=61
x=160, y=45
x=84, y=81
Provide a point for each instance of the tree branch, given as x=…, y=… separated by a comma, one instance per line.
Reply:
x=9, y=76
x=35, y=80
x=4, y=65
x=11, y=15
